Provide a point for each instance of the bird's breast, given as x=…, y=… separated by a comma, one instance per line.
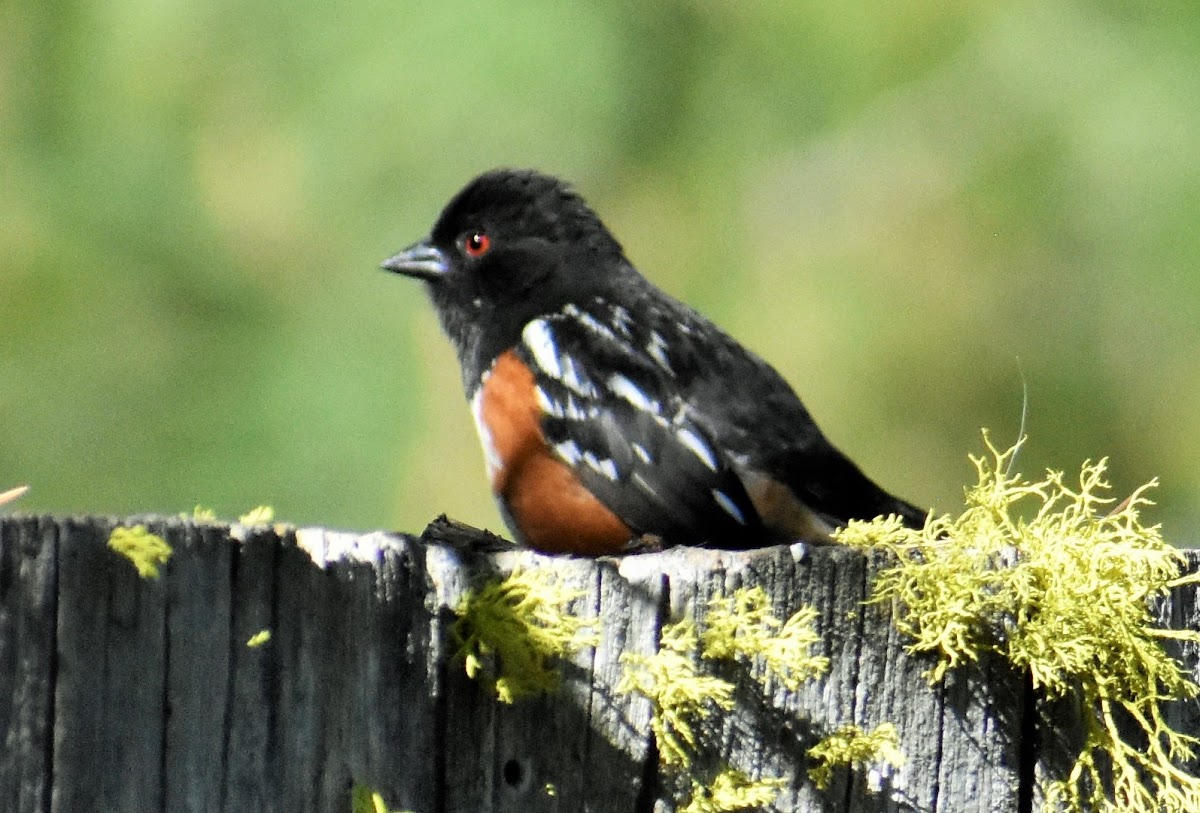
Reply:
x=547, y=505
x=506, y=417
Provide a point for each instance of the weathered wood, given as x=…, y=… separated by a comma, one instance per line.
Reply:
x=28, y=613
x=118, y=693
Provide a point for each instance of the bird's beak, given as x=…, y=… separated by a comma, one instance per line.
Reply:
x=422, y=260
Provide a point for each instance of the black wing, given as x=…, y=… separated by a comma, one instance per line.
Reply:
x=751, y=412
x=613, y=415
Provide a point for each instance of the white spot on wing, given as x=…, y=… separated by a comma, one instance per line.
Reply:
x=641, y=483
x=621, y=318
x=547, y=404
x=572, y=379
x=540, y=341
x=603, y=466
x=622, y=387
x=698, y=447
x=590, y=322
x=578, y=412
x=569, y=450
x=728, y=506
x=658, y=350
x=642, y=454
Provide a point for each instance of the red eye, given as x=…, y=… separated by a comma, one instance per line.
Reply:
x=477, y=244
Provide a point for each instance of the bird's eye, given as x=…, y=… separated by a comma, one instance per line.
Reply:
x=476, y=243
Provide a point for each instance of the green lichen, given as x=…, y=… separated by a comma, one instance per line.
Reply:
x=742, y=627
x=1065, y=595
x=732, y=791
x=259, y=639
x=145, y=550
x=364, y=799
x=850, y=746
x=260, y=515
x=511, y=631
x=680, y=694
x=200, y=514
x=684, y=699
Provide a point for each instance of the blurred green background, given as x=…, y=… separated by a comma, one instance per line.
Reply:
x=906, y=207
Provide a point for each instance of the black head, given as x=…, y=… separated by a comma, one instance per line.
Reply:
x=512, y=245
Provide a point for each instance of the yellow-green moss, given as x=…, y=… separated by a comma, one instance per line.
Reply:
x=680, y=694
x=145, y=550
x=260, y=515
x=258, y=639
x=521, y=624
x=851, y=746
x=732, y=791
x=364, y=799
x=201, y=514
x=742, y=627
x=1064, y=594
x=683, y=698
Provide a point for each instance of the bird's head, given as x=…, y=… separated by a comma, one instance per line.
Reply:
x=510, y=246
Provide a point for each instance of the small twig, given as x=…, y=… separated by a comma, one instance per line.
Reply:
x=464, y=537
x=1121, y=506
x=12, y=494
x=1024, y=416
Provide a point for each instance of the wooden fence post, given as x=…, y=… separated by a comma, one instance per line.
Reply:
x=124, y=694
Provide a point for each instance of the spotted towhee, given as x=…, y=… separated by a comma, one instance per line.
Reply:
x=611, y=414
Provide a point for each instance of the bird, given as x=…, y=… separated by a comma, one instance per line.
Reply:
x=613, y=417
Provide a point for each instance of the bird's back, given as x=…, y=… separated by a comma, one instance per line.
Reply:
x=750, y=411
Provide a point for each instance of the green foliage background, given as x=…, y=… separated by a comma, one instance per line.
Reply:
x=904, y=206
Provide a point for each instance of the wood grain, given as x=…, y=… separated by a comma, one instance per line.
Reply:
x=118, y=693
